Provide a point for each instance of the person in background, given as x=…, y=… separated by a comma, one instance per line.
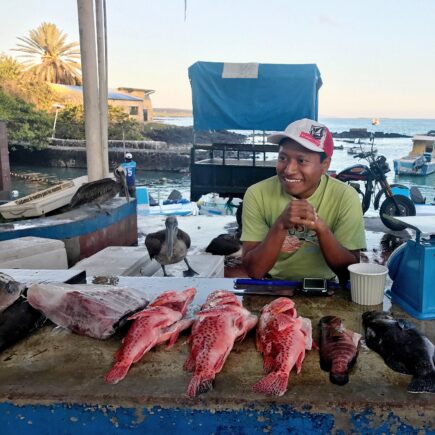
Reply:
x=130, y=172
x=301, y=223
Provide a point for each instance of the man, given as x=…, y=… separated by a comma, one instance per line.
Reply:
x=302, y=223
x=130, y=171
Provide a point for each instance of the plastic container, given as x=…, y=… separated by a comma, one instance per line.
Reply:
x=367, y=283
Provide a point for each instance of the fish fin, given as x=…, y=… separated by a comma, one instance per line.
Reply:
x=325, y=365
x=284, y=321
x=274, y=384
x=422, y=384
x=268, y=363
x=189, y=364
x=200, y=383
x=314, y=345
x=299, y=361
x=173, y=332
x=117, y=373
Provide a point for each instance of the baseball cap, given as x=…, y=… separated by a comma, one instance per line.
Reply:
x=128, y=156
x=308, y=133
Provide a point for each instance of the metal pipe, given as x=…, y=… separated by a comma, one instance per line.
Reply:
x=100, y=12
x=88, y=53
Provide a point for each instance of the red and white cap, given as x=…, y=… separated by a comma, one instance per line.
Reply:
x=308, y=133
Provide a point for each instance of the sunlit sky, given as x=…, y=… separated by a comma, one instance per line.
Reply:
x=376, y=57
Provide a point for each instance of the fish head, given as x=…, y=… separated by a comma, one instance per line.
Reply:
x=171, y=225
x=280, y=305
x=175, y=300
x=370, y=316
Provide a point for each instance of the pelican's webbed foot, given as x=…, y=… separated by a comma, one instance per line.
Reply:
x=189, y=271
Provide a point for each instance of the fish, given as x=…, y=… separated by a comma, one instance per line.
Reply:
x=338, y=349
x=282, y=339
x=161, y=321
x=221, y=321
x=10, y=291
x=403, y=348
x=18, y=321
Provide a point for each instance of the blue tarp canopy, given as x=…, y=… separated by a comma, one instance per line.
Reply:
x=252, y=96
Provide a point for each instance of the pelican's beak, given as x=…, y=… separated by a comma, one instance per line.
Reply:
x=170, y=237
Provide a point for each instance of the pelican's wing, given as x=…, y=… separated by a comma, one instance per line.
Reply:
x=153, y=243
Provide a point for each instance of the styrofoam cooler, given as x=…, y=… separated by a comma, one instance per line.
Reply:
x=367, y=283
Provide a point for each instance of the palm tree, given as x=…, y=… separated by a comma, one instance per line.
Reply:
x=49, y=57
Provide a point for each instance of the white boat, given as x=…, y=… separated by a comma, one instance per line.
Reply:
x=213, y=204
x=182, y=207
x=421, y=159
x=44, y=201
x=359, y=149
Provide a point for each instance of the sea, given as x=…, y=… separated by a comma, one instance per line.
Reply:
x=160, y=184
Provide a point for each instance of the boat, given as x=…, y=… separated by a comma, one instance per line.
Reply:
x=359, y=149
x=421, y=159
x=180, y=207
x=213, y=204
x=375, y=121
x=42, y=202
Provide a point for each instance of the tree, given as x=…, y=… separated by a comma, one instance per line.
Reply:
x=71, y=124
x=15, y=81
x=25, y=124
x=49, y=57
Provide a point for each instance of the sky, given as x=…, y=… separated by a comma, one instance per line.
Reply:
x=376, y=57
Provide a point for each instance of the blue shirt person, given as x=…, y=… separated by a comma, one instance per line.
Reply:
x=130, y=171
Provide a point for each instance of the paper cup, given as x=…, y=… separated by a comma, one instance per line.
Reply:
x=367, y=283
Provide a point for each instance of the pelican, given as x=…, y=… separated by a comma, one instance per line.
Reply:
x=169, y=246
x=99, y=191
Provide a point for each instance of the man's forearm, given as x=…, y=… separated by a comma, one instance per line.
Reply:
x=260, y=259
x=336, y=256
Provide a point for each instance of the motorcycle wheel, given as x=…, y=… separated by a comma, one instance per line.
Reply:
x=406, y=208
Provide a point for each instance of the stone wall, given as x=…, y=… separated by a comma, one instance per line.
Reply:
x=74, y=156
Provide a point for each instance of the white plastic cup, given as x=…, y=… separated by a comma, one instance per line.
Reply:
x=367, y=283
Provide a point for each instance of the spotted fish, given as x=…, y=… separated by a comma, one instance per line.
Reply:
x=282, y=339
x=221, y=321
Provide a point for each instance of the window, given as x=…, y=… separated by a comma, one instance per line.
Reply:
x=134, y=110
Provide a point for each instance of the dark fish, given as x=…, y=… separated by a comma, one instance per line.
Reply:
x=403, y=347
x=10, y=291
x=17, y=322
x=338, y=349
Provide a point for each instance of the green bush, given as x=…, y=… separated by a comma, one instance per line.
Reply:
x=25, y=124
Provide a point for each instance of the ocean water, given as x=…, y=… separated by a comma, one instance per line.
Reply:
x=162, y=183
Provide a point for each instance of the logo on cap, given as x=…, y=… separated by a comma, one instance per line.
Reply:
x=317, y=132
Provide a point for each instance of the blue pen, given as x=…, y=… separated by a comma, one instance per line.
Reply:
x=246, y=281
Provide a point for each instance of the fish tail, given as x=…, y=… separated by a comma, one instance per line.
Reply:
x=117, y=373
x=423, y=384
x=200, y=383
x=339, y=378
x=274, y=384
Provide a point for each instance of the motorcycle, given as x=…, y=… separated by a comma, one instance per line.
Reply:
x=373, y=178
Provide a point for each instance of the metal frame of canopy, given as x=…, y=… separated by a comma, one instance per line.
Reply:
x=265, y=97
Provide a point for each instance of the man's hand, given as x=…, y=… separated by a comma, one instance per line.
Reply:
x=300, y=212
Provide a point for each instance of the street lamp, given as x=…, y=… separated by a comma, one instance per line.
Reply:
x=57, y=107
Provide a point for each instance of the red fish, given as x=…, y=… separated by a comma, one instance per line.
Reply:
x=221, y=321
x=159, y=322
x=282, y=338
x=338, y=349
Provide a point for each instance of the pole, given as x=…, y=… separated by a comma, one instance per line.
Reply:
x=90, y=89
x=100, y=11
x=54, y=123
x=5, y=172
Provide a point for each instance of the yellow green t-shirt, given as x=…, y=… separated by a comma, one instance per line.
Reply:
x=336, y=203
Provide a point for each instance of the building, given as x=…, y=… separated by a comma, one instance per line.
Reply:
x=135, y=102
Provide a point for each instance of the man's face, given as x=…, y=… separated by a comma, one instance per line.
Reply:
x=299, y=170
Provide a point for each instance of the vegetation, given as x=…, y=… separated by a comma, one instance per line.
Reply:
x=49, y=57
x=26, y=125
x=17, y=82
x=71, y=124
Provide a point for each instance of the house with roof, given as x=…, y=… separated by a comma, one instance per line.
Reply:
x=134, y=101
